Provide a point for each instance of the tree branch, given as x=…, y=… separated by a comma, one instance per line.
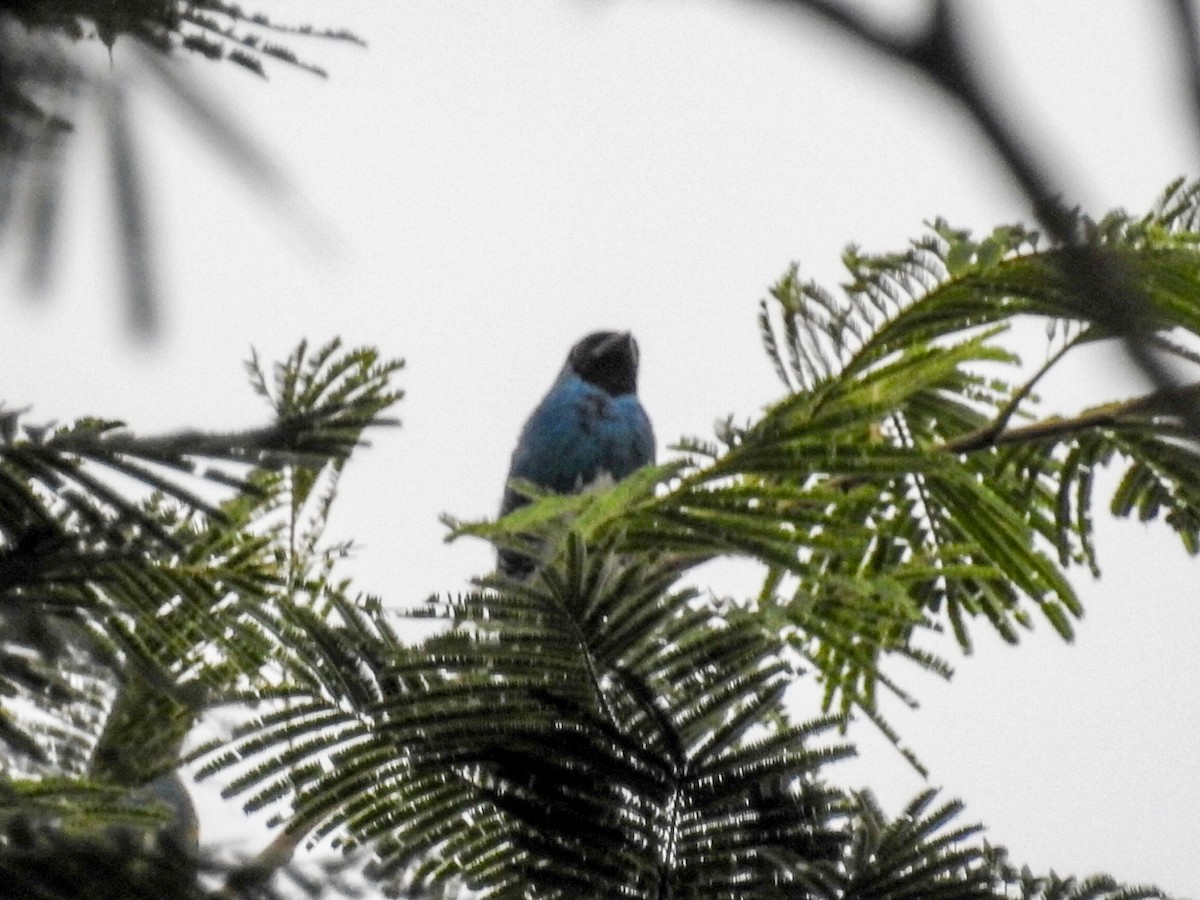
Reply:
x=1185, y=13
x=1110, y=415
x=997, y=426
x=260, y=870
x=1100, y=285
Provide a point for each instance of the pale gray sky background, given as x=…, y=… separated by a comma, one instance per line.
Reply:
x=498, y=177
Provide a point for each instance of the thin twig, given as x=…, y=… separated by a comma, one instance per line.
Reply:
x=1010, y=408
x=259, y=871
x=1110, y=415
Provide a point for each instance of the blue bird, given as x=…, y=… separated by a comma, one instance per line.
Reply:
x=589, y=426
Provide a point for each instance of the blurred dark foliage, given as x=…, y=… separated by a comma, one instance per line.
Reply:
x=940, y=52
x=46, y=79
x=42, y=860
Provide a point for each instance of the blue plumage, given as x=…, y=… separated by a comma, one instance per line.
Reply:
x=589, y=426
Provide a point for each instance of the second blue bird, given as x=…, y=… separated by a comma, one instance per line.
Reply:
x=589, y=426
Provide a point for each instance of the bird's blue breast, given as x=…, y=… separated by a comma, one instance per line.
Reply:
x=578, y=433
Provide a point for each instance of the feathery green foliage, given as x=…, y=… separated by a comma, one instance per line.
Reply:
x=599, y=729
x=890, y=491
x=917, y=854
x=589, y=731
x=1027, y=886
x=121, y=561
x=947, y=505
x=904, y=484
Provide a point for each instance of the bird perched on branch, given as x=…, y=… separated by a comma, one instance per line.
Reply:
x=590, y=426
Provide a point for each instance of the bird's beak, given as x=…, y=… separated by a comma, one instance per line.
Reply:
x=621, y=337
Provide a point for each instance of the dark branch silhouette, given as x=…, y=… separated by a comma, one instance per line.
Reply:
x=938, y=53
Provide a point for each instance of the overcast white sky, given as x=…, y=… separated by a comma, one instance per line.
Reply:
x=498, y=178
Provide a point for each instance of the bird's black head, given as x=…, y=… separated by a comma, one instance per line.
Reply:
x=607, y=359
